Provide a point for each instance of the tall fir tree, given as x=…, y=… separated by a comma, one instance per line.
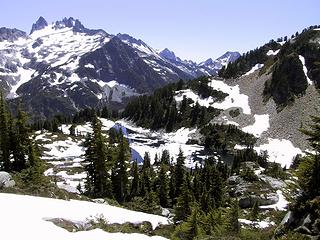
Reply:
x=134, y=191
x=120, y=174
x=309, y=168
x=21, y=140
x=34, y=172
x=179, y=172
x=4, y=135
x=163, y=188
x=98, y=182
x=192, y=228
x=184, y=202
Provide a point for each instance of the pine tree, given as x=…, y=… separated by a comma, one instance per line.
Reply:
x=172, y=186
x=98, y=163
x=21, y=140
x=134, y=191
x=120, y=175
x=165, y=157
x=183, y=207
x=35, y=166
x=309, y=168
x=72, y=130
x=163, y=188
x=146, y=160
x=192, y=227
x=145, y=186
x=233, y=225
x=156, y=160
x=4, y=136
x=105, y=112
x=179, y=172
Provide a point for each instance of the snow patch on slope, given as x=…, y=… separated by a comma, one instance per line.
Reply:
x=235, y=98
x=260, y=125
x=196, y=98
x=254, y=68
x=305, y=70
x=258, y=224
x=272, y=53
x=143, y=140
x=31, y=215
x=280, y=151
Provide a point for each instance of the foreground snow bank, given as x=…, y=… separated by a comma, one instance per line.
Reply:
x=25, y=217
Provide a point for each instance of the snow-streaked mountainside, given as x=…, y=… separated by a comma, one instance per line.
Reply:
x=208, y=67
x=65, y=66
x=34, y=215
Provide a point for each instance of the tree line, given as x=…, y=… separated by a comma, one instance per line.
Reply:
x=18, y=151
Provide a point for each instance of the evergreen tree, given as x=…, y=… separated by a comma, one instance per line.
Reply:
x=179, y=172
x=98, y=181
x=172, y=186
x=4, y=136
x=145, y=186
x=72, y=130
x=105, y=112
x=163, y=188
x=120, y=174
x=233, y=225
x=35, y=166
x=21, y=140
x=165, y=157
x=309, y=168
x=146, y=160
x=134, y=191
x=183, y=207
x=192, y=227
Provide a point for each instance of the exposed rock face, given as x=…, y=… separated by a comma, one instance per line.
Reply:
x=41, y=23
x=6, y=180
x=262, y=200
x=11, y=35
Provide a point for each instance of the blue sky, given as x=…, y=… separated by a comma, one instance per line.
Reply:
x=193, y=29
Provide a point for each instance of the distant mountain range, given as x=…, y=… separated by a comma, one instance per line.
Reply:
x=64, y=66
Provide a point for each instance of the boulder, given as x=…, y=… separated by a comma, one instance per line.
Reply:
x=264, y=199
x=6, y=180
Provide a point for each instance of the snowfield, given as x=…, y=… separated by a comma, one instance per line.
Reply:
x=29, y=220
x=235, y=98
x=206, y=102
x=253, y=69
x=260, y=125
x=280, y=151
x=144, y=140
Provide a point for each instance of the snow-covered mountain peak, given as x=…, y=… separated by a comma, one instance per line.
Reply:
x=69, y=23
x=41, y=23
x=166, y=53
x=141, y=47
x=228, y=57
x=206, y=62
